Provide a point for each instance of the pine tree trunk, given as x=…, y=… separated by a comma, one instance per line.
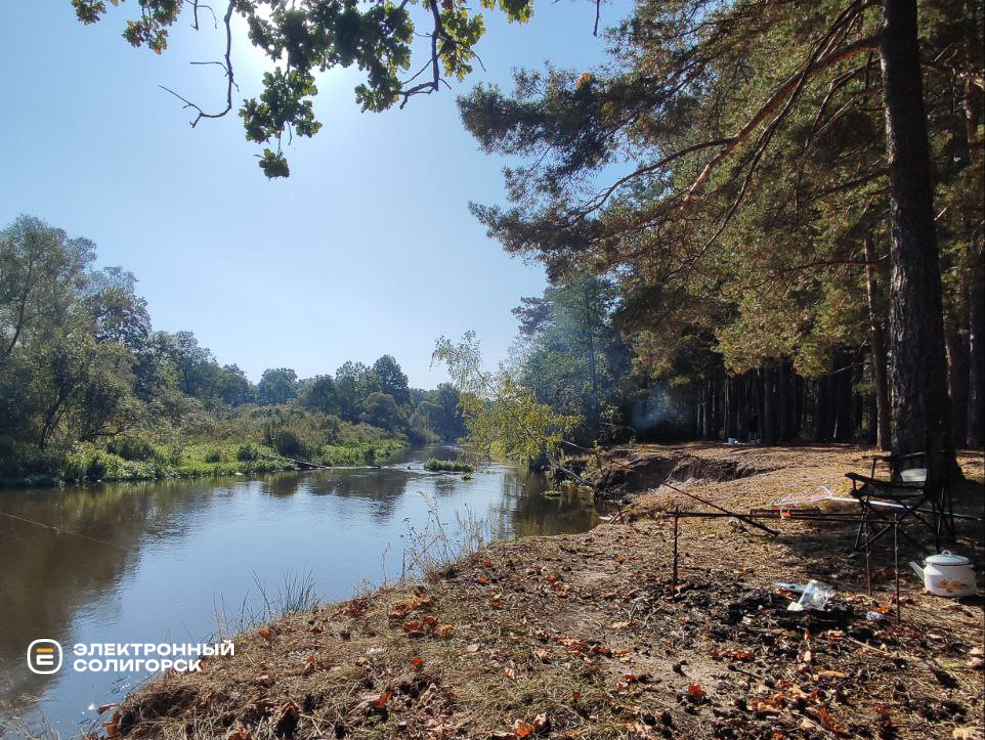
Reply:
x=872, y=432
x=821, y=409
x=783, y=402
x=958, y=372
x=742, y=402
x=717, y=397
x=975, y=420
x=706, y=424
x=976, y=355
x=756, y=406
x=918, y=370
x=798, y=405
x=769, y=405
x=842, y=392
x=858, y=401
x=877, y=345
x=731, y=407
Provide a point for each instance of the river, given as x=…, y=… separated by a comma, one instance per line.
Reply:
x=184, y=561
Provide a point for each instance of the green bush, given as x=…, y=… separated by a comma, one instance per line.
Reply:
x=95, y=468
x=131, y=448
x=214, y=456
x=289, y=443
x=25, y=464
x=248, y=453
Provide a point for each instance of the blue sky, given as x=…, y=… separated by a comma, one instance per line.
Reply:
x=368, y=248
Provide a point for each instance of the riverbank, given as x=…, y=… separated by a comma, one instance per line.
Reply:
x=584, y=636
x=146, y=461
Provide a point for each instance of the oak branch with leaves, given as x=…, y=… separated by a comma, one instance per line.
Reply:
x=302, y=37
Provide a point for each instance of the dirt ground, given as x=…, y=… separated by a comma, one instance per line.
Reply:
x=585, y=636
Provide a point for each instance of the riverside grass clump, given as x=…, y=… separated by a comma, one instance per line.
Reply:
x=435, y=465
x=88, y=463
x=128, y=459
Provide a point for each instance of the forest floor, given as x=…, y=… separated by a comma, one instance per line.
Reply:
x=585, y=636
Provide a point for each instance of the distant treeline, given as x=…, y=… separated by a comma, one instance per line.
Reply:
x=583, y=355
x=88, y=390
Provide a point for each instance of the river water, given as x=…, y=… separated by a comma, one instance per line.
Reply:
x=183, y=561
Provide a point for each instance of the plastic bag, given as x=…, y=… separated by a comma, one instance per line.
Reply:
x=815, y=596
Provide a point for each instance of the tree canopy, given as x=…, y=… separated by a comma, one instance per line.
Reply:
x=304, y=37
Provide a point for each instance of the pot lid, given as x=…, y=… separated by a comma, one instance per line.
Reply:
x=947, y=558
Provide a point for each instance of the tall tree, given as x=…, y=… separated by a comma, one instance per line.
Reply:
x=276, y=386
x=390, y=379
x=921, y=407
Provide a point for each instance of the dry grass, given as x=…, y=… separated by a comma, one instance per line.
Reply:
x=580, y=636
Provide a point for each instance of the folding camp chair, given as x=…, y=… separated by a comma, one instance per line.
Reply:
x=906, y=494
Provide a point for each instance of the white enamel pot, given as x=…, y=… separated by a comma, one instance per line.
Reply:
x=947, y=574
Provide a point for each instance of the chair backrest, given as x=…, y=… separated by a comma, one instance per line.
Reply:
x=910, y=468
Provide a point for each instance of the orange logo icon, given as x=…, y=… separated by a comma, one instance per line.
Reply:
x=44, y=656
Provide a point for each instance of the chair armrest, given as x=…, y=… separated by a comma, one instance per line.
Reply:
x=896, y=458
x=882, y=483
x=909, y=455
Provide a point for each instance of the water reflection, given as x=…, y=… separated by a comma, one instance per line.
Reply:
x=150, y=562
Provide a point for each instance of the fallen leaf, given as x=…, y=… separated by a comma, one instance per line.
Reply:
x=696, y=691
x=416, y=662
x=619, y=625
x=522, y=729
x=266, y=634
x=384, y=698
x=113, y=724
x=473, y=648
x=445, y=630
x=829, y=723
x=288, y=718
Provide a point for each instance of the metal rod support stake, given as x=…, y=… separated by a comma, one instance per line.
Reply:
x=899, y=608
x=676, y=519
